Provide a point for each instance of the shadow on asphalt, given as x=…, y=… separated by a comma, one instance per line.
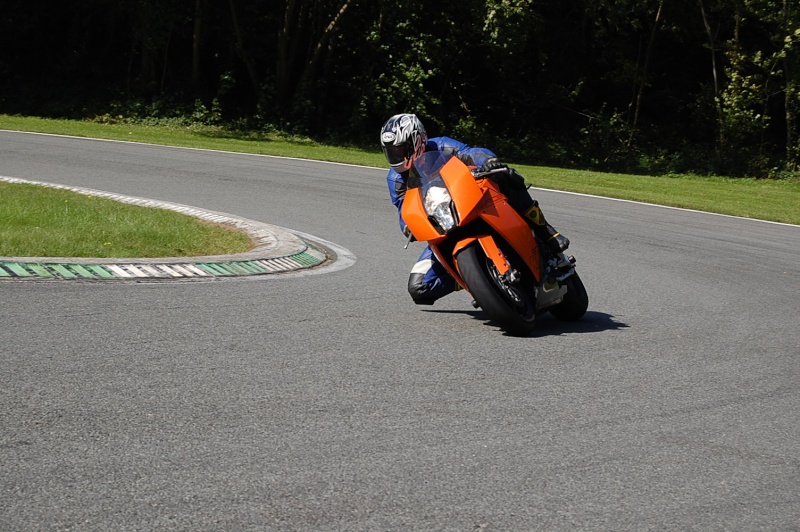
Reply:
x=547, y=325
x=591, y=322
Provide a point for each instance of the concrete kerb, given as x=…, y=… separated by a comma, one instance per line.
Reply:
x=277, y=251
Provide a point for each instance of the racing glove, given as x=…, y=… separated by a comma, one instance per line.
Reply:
x=492, y=164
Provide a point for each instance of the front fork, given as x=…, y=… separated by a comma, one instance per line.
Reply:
x=505, y=276
x=493, y=253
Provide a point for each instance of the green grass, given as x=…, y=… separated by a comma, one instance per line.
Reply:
x=776, y=200
x=198, y=136
x=765, y=199
x=37, y=221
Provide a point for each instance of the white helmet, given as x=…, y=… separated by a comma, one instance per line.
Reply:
x=403, y=139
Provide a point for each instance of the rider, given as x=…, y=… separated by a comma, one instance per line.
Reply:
x=403, y=139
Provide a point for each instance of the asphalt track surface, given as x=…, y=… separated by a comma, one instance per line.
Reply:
x=331, y=402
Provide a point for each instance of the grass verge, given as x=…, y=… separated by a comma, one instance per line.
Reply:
x=37, y=221
x=764, y=199
x=776, y=200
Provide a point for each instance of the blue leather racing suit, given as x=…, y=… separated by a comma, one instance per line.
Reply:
x=429, y=280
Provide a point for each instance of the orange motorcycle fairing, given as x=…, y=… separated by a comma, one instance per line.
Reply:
x=417, y=219
x=469, y=192
x=515, y=230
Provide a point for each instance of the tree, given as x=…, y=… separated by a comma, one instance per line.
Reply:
x=308, y=25
x=759, y=80
x=651, y=86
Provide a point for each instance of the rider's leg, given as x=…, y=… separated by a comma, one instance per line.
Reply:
x=429, y=280
x=521, y=201
x=543, y=230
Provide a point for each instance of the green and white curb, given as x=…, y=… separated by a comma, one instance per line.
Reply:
x=277, y=251
x=16, y=269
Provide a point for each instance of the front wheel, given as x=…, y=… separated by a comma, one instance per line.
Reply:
x=506, y=304
x=575, y=302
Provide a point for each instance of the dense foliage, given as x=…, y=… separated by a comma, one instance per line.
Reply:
x=710, y=86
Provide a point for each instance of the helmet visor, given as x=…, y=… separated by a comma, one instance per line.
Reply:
x=397, y=155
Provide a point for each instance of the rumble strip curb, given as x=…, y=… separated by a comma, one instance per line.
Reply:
x=277, y=251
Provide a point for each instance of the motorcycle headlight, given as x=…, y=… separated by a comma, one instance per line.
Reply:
x=438, y=205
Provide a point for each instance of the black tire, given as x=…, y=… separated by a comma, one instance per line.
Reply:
x=511, y=308
x=575, y=302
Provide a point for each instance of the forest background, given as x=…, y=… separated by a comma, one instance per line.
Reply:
x=649, y=86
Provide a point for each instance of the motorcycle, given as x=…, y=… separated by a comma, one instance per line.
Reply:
x=487, y=247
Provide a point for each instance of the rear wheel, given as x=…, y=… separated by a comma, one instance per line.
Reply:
x=507, y=304
x=575, y=302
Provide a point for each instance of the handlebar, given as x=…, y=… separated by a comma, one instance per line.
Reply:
x=478, y=175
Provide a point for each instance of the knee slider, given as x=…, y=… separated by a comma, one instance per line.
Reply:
x=416, y=286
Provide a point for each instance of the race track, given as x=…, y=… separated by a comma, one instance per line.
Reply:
x=331, y=402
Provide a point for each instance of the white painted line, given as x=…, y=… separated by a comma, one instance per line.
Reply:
x=381, y=168
x=192, y=149
x=664, y=206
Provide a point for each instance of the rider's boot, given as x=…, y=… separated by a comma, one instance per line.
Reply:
x=543, y=230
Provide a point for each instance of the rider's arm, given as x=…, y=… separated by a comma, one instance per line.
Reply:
x=397, y=192
x=468, y=155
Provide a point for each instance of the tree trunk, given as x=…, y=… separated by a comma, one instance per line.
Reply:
x=197, y=41
x=287, y=50
x=323, y=41
x=645, y=67
x=790, y=95
x=288, y=79
x=242, y=51
x=712, y=46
